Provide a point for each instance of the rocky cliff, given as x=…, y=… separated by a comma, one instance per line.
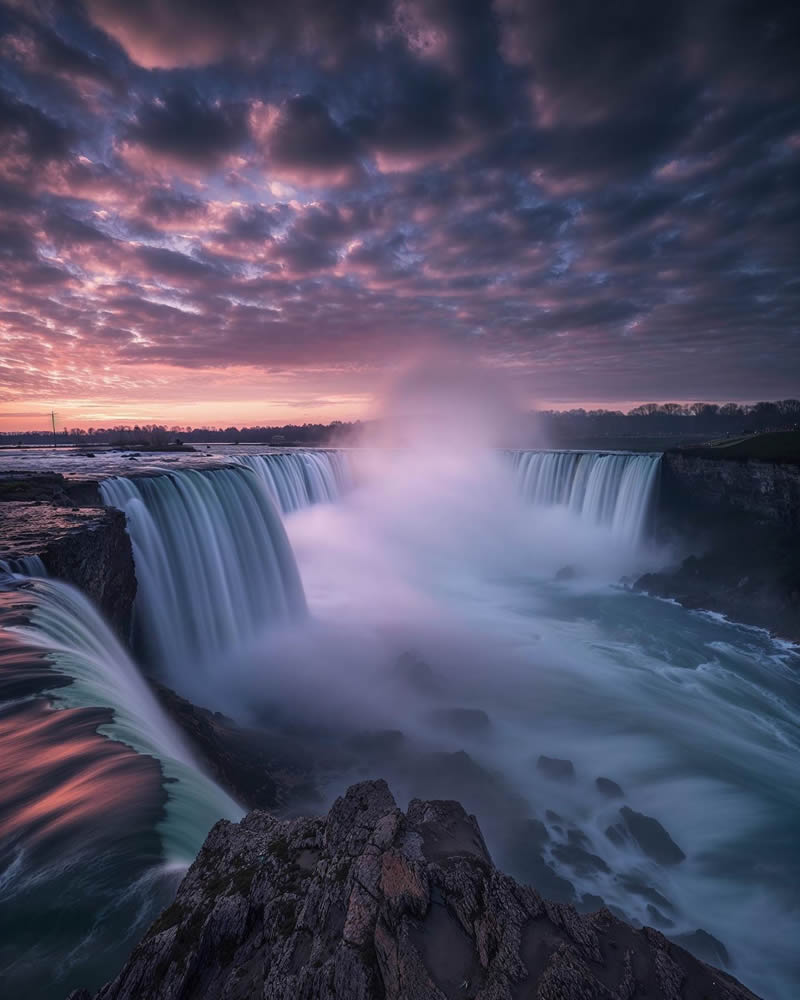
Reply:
x=374, y=904
x=78, y=540
x=735, y=524
x=696, y=485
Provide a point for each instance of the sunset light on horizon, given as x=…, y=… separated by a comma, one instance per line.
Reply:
x=253, y=216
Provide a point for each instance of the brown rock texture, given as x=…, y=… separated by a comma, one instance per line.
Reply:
x=374, y=904
x=88, y=546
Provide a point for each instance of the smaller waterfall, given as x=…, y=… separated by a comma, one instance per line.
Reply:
x=65, y=624
x=301, y=478
x=615, y=490
x=213, y=563
x=24, y=566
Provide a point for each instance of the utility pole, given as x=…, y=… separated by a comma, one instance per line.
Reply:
x=53, y=418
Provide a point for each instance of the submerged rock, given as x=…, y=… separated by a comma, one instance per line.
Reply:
x=658, y=918
x=261, y=769
x=554, y=767
x=416, y=674
x=616, y=834
x=580, y=860
x=525, y=855
x=374, y=904
x=651, y=837
x=632, y=883
x=609, y=788
x=566, y=573
x=705, y=946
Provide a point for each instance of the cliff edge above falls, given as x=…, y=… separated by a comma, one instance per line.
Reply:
x=736, y=522
x=63, y=522
x=374, y=904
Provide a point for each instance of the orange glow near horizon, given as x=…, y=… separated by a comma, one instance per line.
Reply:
x=224, y=412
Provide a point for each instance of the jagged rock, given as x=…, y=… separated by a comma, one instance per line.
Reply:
x=579, y=859
x=261, y=769
x=635, y=885
x=651, y=837
x=554, y=767
x=372, y=904
x=616, y=834
x=87, y=546
x=416, y=674
x=705, y=946
x=661, y=919
x=609, y=788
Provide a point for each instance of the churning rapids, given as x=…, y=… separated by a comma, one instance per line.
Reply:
x=354, y=591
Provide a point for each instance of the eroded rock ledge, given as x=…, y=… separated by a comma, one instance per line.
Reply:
x=63, y=522
x=374, y=904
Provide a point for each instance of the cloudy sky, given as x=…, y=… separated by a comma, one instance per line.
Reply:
x=249, y=211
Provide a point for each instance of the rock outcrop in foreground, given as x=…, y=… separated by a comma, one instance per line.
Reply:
x=370, y=903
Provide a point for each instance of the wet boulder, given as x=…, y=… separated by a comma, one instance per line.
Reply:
x=556, y=768
x=609, y=788
x=651, y=837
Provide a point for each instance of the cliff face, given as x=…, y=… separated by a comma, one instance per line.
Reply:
x=98, y=559
x=77, y=539
x=740, y=519
x=766, y=492
x=374, y=904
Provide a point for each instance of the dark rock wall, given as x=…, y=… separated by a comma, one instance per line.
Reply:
x=765, y=492
x=78, y=540
x=98, y=559
x=735, y=523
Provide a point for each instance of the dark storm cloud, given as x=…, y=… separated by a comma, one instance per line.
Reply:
x=171, y=264
x=64, y=229
x=301, y=254
x=34, y=132
x=171, y=33
x=305, y=141
x=591, y=193
x=188, y=127
x=252, y=223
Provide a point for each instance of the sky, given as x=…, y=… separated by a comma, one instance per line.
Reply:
x=252, y=211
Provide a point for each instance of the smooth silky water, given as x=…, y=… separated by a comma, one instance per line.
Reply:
x=498, y=575
x=103, y=805
x=213, y=565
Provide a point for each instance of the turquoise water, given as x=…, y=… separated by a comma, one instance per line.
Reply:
x=510, y=602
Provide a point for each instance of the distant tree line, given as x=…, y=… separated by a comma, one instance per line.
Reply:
x=156, y=435
x=710, y=420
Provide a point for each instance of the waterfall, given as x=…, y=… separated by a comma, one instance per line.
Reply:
x=65, y=624
x=23, y=566
x=213, y=563
x=615, y=490
x=300, y=478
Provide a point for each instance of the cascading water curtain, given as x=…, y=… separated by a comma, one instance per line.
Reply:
x=213, y=563
x=615, y=490
x=301, y=478
x=24, y=566
x=64, y=624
